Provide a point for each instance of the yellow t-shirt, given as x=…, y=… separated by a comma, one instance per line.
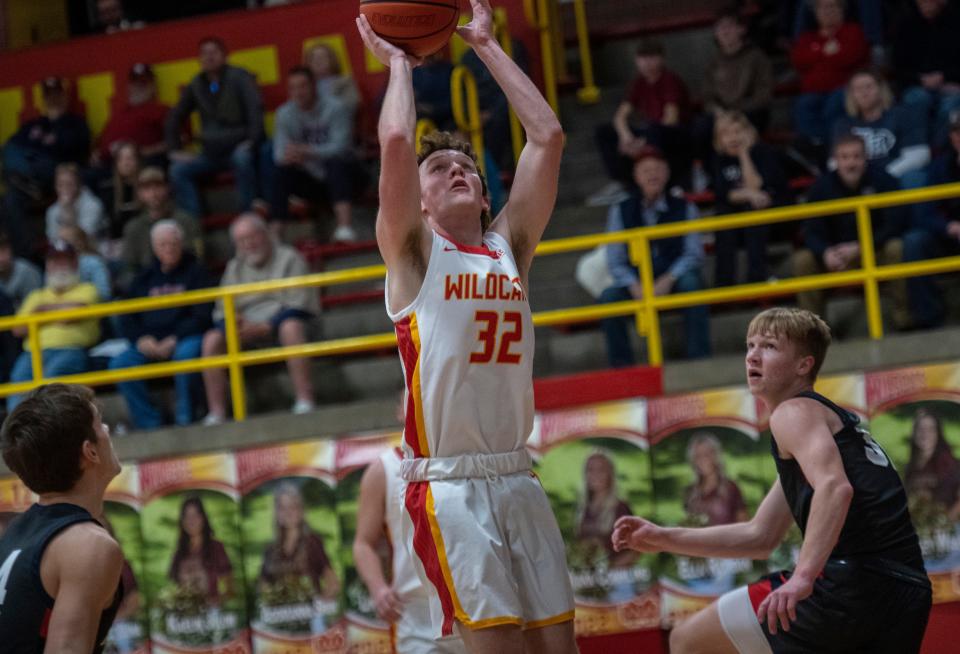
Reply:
x=83, y=333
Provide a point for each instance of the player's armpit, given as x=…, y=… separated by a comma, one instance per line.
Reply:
x=83, y=565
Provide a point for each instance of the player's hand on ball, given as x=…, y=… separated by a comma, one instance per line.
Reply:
x=631, y=532
x=480, y=27
x=388, y=605
x=781, y=605
x=383, y=50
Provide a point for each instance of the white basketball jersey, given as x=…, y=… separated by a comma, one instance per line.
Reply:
x=466, y=344
x=406, y=582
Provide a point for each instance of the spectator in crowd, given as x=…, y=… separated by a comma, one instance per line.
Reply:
x=18, y=277
x=894, y=137
x=869, y=14
x=676, y=261
x=939, y=234
x=118, y=192
x=657, y=101
x=112, y=17
x=231, y=128
x=140, y=121
x=312, y=149
x=431, y=90
x=831, y=243
x=154, y=195
x=173, y=334
x=91, y=267
x=712, y=495
x=63, y=345
x=825, y=58
x=32, y=154
x=926, y=61
x=75, y=205
x=740, y=76
x=331, y=82
x=279, y=315
x=747, y=175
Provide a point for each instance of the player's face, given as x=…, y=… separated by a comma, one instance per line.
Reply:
x=289, y=511
x=449, y=180
x=108, y=457
x=773, y=364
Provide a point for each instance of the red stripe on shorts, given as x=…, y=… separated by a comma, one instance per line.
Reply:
x=426, y=548
x=410, y=356
x=758, y=592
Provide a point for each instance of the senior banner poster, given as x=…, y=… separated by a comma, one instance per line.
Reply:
x=709, y=468
x=192, y=567
x=594, y=465
x=292, y=548
x=121, y=517
x=366, y=633
x=916, y=418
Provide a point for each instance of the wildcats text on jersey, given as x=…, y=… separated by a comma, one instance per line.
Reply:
x=492, y=286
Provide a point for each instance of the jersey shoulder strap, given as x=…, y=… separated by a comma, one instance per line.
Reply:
x=848, y=418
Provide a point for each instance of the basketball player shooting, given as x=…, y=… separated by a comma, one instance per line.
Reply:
x=59, y=568
x=485, y=541
x=859, y=584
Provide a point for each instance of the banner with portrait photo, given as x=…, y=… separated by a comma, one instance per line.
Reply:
x=594, y=465
x=709, y=468
x=366, y=633
x=15, y=498
x=192, y=564
x=916, y=419
x=121, y=517
x=292, y=553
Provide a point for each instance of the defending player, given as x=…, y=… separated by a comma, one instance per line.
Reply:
x=404, y=601
x=487, y=545
x=859, y=584
x=59, y=568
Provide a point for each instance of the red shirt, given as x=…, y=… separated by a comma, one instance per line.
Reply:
x=649, y=99
x=821, y=72
x=142, y=124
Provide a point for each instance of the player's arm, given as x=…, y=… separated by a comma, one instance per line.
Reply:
x=400, y=228
x=755, y=538
x=83, y=566
x=801, y=431
x=534, y=190
x=370, y=521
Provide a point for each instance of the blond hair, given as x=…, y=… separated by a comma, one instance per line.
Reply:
x=886, y=95
x=726, y=119
x=805, y=329
x=437, y=141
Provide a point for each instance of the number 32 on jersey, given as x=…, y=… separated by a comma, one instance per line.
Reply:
x=497, y=333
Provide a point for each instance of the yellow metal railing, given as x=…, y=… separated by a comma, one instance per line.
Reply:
x=645, y=311
x=588, y=93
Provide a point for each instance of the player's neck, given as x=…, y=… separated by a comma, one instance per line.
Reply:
x=775, y=399
x=84, y=495
x=467, y=234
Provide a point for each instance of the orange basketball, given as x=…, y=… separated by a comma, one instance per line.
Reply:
x=418, y=27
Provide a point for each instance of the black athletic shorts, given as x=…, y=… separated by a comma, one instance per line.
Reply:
x=870, y=606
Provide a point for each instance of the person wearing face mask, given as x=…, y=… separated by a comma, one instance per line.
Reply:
x=63, y=344
x=281, y=316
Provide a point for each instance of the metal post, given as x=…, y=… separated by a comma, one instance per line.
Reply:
x=467, y=115
x=868, y=261
x=588, y=93
x=233, y=349
x=506, y=42
x=36, y=355
x=640, y=255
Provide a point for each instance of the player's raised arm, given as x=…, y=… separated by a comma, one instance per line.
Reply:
x=755, y=538
x=534, y=191
x=802, y=432
x=370, y=520
x=83, y=564
x=399, y=221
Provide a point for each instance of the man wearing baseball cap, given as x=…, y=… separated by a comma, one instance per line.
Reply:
x=140, y=121
x=676, y=261
x=63, y=345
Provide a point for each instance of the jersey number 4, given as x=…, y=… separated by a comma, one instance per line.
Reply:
x=490, y=333
x=5, y=571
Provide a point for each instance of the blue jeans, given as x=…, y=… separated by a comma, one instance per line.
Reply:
x=56, y=362
x=932, y=109
x=815, y=113
x=143, y=412
x=184, y=174
x=926, y=300
x=696, y=324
